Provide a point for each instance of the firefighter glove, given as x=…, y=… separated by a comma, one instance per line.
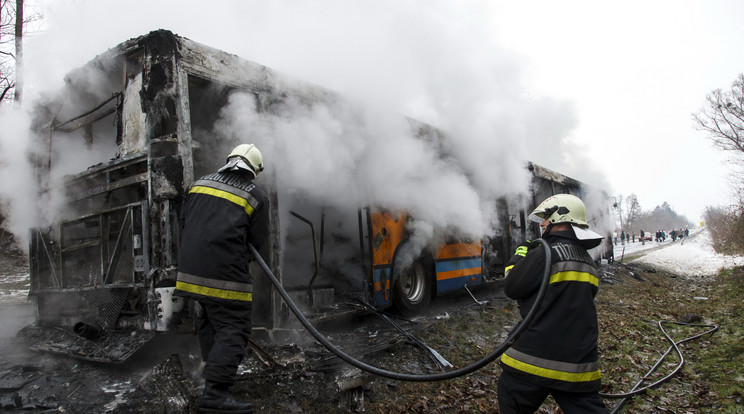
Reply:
x=525, y=246
x=522, y=248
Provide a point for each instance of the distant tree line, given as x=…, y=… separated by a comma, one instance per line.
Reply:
x=634, y=218
x=721, y=118
x=662, y=217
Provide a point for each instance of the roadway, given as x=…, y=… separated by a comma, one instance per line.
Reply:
x=633, y=248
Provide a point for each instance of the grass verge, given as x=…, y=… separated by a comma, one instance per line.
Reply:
x=711, y=380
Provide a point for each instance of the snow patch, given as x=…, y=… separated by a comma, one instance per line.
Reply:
x=14, y=287
x=693, y=258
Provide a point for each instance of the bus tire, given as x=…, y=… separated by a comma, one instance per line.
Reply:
x=412, y=288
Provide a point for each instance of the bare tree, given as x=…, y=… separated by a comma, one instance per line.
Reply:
x=13, y=22
x=722, y=117
x=633, y=209
x=7, y=57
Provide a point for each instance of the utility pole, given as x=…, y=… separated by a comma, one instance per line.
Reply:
x=19, y=51
x=619, y=209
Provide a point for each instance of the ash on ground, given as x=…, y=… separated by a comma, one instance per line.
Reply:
x=163, y=376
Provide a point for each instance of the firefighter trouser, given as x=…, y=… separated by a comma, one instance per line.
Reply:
x=518, y=396
x=223, y=337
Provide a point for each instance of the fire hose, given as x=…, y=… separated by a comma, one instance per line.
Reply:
x=413, y=377
x=673, y=346
x=495, y=353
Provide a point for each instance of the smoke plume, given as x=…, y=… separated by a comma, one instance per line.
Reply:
x=435, y=61
x=18, y=192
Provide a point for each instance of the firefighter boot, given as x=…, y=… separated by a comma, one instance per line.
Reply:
x=217, y=399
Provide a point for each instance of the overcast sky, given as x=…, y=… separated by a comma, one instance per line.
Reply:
x=601, y=91
x=636, y=70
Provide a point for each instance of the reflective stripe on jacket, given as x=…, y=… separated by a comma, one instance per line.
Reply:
x=564, y=371
x=222, y=213
x=214, y=288
x=234, y=195
x=559, y=348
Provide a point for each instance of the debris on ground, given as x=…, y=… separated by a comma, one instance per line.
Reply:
x=300, y=376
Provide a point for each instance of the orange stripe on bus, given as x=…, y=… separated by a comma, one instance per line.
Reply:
x=458, y=273
x=376, y=285
x=449, y=251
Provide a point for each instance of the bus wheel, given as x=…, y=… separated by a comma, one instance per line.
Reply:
x=412, y=288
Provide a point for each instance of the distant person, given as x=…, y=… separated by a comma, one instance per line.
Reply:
x=558, y=354
x=622, y=238
x=687, y=232
x=643, y=240
x=614, y=236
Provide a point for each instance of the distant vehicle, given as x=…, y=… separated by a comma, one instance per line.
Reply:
x=647, y=235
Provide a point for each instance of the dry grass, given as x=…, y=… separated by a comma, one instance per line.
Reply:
x=711, y=380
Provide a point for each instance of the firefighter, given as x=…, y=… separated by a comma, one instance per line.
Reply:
x=222, y=213
x=557, y=355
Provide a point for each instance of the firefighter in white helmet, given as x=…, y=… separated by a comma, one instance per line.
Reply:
x=557, y=355
x=222, y=213
x=245, y=156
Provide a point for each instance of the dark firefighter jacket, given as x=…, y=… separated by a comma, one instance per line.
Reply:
x=559, y=349
x=222, y=213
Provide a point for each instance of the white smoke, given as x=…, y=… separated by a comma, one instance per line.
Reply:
x=435, y=61
x=25, y=198
x=18, y=192
x=350, y=156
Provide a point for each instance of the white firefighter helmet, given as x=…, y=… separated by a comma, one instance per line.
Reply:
x=245, y=156
x=561, y=208
x=567, y=208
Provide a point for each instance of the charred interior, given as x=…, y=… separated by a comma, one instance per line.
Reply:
x=144, y=121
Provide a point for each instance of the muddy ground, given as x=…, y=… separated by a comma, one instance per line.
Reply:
x=296, y=376
x=299, y=376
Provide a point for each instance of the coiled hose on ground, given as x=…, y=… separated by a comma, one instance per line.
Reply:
x=673, y=346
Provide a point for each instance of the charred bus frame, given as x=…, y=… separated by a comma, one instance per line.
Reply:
x=109, y=264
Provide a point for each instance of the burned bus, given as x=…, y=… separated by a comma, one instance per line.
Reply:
x=105, y=270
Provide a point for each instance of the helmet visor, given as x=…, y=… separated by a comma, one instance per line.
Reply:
x=539, y=215
x=237, y=163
